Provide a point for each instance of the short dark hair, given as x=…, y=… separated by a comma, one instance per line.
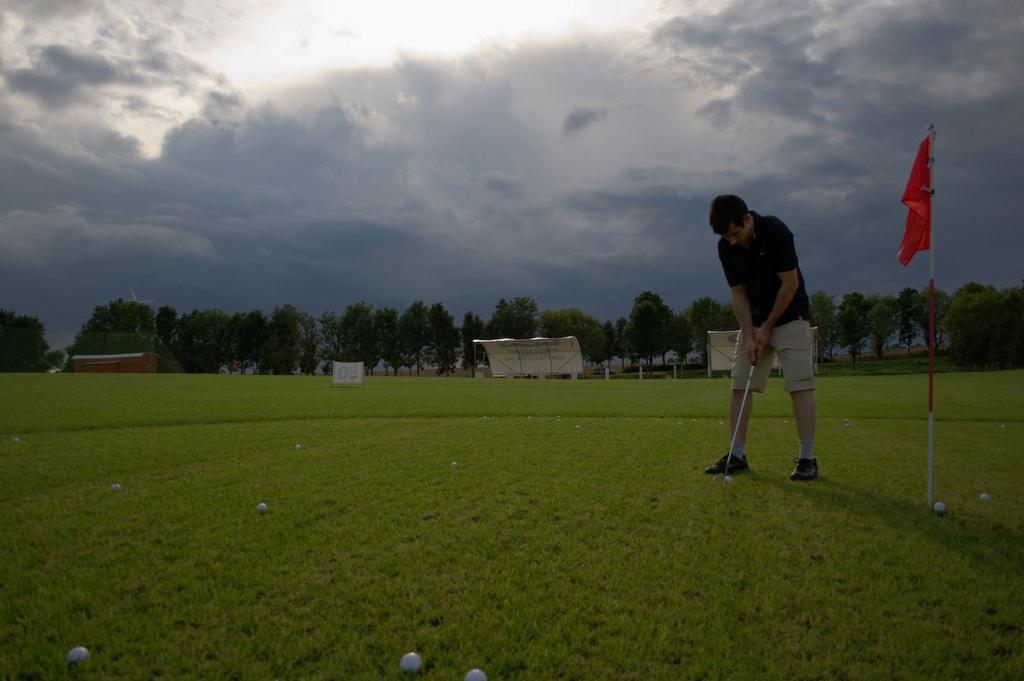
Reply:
x=726, y=209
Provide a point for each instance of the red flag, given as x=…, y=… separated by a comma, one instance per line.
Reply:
x=918, y=199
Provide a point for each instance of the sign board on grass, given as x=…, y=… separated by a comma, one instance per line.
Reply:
x=347, y=373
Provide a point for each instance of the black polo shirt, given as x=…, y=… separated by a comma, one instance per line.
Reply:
x=772, y=251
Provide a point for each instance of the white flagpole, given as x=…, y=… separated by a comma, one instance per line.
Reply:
x=931, y=311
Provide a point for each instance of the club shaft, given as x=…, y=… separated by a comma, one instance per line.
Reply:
x=739, y=419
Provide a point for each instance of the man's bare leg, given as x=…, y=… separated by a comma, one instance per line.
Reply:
x=804, y=413
x=734, y=413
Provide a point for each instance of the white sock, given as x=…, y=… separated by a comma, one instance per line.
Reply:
x=806, y=449
x=737, y=450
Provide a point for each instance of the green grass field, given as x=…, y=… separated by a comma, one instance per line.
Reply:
x=548, y=552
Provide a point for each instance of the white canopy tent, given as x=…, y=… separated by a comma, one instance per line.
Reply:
x=533, y=356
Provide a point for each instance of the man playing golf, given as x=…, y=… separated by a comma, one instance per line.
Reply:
x=771, y=306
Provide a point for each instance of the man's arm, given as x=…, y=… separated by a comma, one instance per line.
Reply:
x=741, y=308
x=790, y=284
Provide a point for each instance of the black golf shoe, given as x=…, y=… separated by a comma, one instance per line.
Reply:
x=806, y=469
x=736, y=465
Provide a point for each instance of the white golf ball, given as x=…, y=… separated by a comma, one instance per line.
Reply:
x=985, y=496
x=298, y=447
x=475, y=675
x=261, y=507
x=939, y=507
x=728, y=478
x=411, y=663
x=115, y=487
x=77, y=655
x=15, y=440
x=577, y=427
x=454, y=464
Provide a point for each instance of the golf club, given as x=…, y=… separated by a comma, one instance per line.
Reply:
x=739, y=417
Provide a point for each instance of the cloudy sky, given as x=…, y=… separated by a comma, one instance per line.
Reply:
x=249, y=153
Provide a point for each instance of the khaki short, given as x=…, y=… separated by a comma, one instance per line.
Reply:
x=792, y=342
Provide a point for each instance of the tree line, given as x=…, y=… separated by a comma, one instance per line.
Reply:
x=980, y=326
x=875, y=322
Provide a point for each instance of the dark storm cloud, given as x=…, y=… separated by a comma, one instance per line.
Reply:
x=59, y=73
x=50, y=89
x=657, y=211
x=102, y=55
x=466, y=180
x=582, y=117
x=60, y=76
x=38, y=9
x=465, y=113
x=764, y=47
x=717, y=111
x=85, y=68
x=854, y=67
x=221, y=105
x=503, y=185
x=276, y=163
